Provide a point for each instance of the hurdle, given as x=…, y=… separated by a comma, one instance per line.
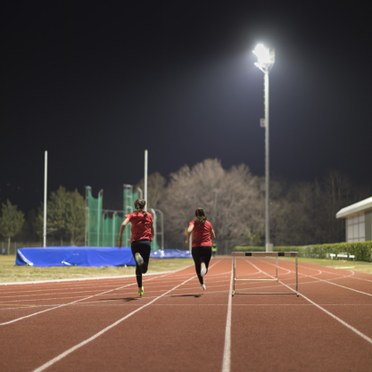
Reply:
x=276, y=255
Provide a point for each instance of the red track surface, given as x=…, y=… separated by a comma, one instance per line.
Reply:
x=101, y=325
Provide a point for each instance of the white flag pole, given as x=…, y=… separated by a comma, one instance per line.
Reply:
x=45, y=197
x=145, y=178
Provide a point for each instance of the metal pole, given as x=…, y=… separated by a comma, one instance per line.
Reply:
x=268, y=247
x=87, y=215
x=297, y=274
x=162, y=228
x=145, y=178
x=265, y=60
x=114, y=233
x=234, y=274
x=155, y=240
x=99, y=216
x=140, y=192
x=45, y=197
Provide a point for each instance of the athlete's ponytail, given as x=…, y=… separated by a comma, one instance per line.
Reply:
x=139, y=204
x=200, y=215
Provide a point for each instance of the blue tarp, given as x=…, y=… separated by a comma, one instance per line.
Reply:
x=170, y=253
x=86, y=256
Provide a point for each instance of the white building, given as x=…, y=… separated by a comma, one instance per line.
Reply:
x=358, y=219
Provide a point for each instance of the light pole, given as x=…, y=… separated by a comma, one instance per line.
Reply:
x=266, y=60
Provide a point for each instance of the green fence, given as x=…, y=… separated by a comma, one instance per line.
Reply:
x=94, y=217
x=102, y=226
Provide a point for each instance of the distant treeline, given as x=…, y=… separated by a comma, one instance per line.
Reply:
x=300, y=213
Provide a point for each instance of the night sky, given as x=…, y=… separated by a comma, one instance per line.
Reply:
x=96, y=83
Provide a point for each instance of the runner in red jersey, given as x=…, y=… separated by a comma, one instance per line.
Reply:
x=142, y=231
x=202, y=236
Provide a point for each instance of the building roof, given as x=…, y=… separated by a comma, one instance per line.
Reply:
x=355, y=208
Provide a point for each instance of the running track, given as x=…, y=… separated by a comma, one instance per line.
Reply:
x=101, y=325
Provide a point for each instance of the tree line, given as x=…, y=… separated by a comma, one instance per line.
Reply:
x=65, y=220
x=300, y=213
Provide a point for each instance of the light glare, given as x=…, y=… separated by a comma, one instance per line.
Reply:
x=265, y=57
x=262, y=53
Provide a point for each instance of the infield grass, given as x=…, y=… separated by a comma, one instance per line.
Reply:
x=10, y=272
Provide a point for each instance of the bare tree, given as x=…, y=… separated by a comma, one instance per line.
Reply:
x=155, y=189
x=336, y=191
x=231, y=199
x=305, y=213
x=293, y=214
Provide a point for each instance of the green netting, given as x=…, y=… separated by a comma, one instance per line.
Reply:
x=117, y=220
x=102, y=226
x=128, y=201
x=110, y=228
x=106, y=240
x=94, y=218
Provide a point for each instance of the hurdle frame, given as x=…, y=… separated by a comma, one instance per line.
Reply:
x=276, y=278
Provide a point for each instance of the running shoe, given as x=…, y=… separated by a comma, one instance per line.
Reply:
x=203, y=270
x=141, y=291
x=138, y=259
x=203, y=287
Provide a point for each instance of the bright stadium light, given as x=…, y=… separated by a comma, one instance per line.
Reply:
x=266, y=60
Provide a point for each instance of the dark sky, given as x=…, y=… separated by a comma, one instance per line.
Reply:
x=97, y=83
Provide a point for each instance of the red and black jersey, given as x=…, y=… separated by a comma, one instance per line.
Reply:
x=141, y=225
x=201, y=234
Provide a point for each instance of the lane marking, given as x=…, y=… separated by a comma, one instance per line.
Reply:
x=335, y=317
x=153, y=276
x=344, y=287
x=226, y=362
x=63, y=305
x=330, y=281
x=104, y=330
x=347, y=325
x=161, y=275
x=51, y=281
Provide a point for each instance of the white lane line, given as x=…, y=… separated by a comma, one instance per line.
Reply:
x=161, y=275
x=64, y=280
x=52, y=281
x=226, y=362
x=335, y=284
x=344, y=287
x=347, y=325
x=104, y=330
x=63, y=305
x=322, y=271
x=153, y=276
